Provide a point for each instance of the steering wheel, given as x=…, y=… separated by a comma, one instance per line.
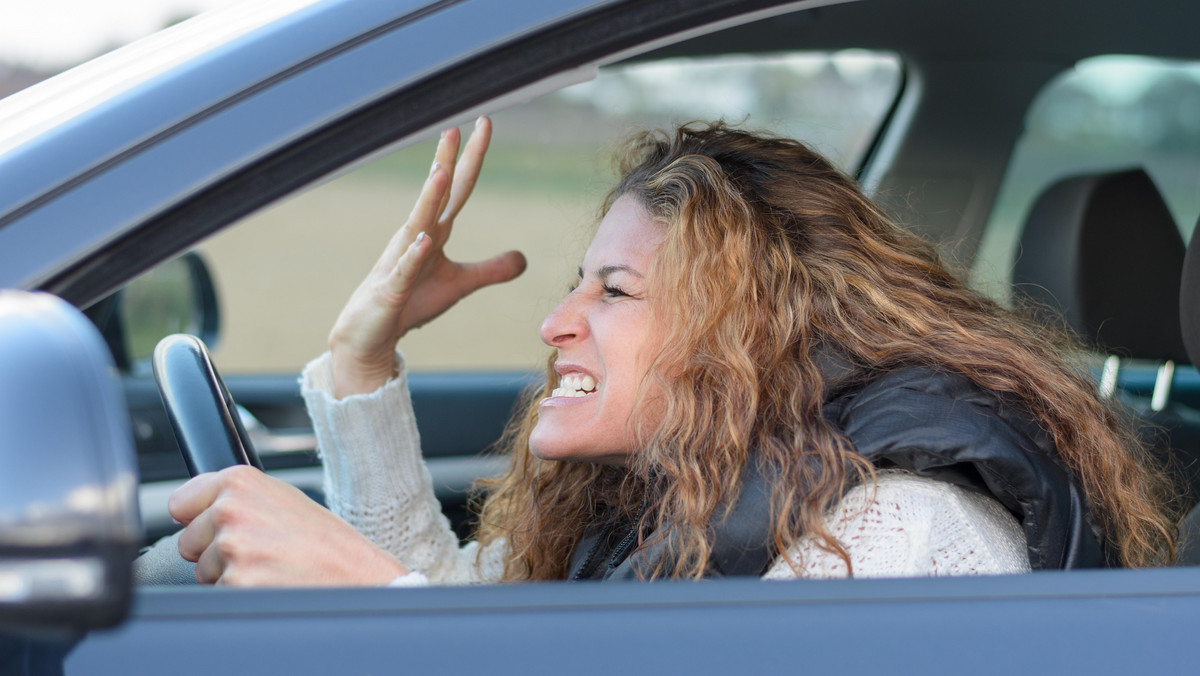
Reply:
x=210, y=435
x=202, y=413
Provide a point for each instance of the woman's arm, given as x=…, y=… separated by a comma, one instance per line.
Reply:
x=243, y=527
x=377, y=481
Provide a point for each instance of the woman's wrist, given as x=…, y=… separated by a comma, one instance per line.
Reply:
x=354, y=376
x=385, y=569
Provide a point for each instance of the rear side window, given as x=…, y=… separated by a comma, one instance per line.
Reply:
x=283, y=275
x=1110, y=112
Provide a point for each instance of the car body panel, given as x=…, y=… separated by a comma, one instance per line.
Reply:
x=1038, y=623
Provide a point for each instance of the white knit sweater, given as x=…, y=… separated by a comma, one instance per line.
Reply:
x=376, y=479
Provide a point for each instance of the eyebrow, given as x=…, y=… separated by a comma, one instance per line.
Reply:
x=607, y=270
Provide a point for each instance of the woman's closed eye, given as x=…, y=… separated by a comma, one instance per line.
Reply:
x=603, y=286
x=609, y=290
x=613, y=291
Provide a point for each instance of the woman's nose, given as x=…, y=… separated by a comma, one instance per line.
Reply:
x=564, y=323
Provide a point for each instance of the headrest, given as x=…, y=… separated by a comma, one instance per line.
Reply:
x=1104, y=250
x=1189, y=299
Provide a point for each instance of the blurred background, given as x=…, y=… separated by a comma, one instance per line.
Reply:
x=283, y=274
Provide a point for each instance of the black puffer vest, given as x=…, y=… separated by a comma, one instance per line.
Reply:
x=934, y=424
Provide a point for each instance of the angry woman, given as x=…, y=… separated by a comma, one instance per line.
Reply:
x=756, y=373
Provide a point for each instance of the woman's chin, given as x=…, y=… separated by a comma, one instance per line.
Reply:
x=554, y=448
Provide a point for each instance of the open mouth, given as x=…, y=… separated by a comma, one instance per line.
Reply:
x=574, y=385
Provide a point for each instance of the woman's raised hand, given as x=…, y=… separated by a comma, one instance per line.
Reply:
x=414, y=281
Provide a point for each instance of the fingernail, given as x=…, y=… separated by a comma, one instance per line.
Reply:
x=435, y=167
x=478, y=121
x=420, y=237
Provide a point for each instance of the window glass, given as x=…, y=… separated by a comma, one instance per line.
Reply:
x=156, y=304
x=1108, y=112
x=283, y=275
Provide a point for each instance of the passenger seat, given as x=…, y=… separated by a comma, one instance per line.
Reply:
x=1104, y=251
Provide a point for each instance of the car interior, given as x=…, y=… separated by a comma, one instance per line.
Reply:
x=1054, y=161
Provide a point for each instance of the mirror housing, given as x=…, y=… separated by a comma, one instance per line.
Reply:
x=69, y=523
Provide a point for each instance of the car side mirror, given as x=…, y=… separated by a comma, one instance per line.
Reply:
x=69, y=524
x=177, y=296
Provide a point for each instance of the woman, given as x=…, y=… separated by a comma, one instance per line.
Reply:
x=756, y=374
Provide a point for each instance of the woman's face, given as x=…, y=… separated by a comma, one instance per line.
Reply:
x=604, y=339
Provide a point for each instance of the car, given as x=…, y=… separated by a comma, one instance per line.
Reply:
x=129, y=180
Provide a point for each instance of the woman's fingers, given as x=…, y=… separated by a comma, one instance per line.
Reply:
x=205, y=505
x=422, y=218
x=447, y=156
x=404, y=274
x=494, y=270
x=197, y=536
x=444, y=193
x=192, y=498
x=468, y=169
x=209, y=566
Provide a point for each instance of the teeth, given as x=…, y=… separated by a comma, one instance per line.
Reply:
x=574, y=385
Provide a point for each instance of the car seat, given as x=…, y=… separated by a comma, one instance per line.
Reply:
x=1103, y=252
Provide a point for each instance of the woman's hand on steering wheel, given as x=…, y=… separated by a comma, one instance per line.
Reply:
x=244, y=528
x=413, y=281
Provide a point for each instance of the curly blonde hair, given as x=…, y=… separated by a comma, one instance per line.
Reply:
x=769, y=253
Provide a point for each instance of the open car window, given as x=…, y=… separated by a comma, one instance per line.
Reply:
x=283, y=274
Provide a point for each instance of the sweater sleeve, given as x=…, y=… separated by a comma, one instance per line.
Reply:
x=377, y=481
x=910, y=526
